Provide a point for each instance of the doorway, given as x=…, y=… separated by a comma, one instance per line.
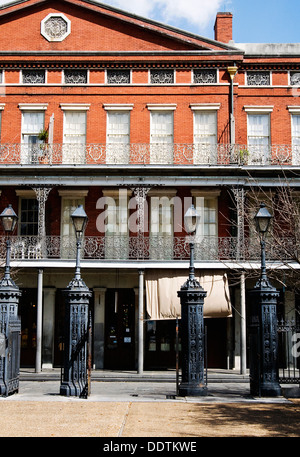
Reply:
x=119, y=351
x=28, y=314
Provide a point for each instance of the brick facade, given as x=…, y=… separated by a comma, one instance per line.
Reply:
x=100, y=39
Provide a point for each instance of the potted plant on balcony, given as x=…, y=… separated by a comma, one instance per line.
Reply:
x=243, y=156
x=43, y=137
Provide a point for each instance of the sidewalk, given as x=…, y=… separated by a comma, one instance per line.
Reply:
x=127, y=404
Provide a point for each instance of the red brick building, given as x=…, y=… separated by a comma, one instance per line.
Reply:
x=135, y=120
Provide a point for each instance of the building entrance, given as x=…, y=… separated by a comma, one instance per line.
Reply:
x=27, y=312
x=119, y=351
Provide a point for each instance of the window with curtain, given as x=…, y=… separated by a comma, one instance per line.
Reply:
x=161, y=137
x=259, y=138
x=296, y=138
x=205, y=137
x=68, y=238
x=74, y=137
x=206, y=242
x=32, y=124
x=161, y=227
x=118, y=137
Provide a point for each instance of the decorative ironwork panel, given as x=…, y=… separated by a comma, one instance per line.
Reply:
x=205, y=76
x=258, y=78
x=75, y=77
x=118, y=76
x=33, y=76
x=56, y=27
x=295, y=78
x=162, y=76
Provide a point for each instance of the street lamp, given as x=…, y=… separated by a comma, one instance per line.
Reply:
x=192, y=296
x=10, y=325
x=262, y=222
x=76, y=375
x=79, y=220
x=263, y=338
x=191, y=222
x=9, y=221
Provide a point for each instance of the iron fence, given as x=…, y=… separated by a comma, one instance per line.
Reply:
x=288, y=352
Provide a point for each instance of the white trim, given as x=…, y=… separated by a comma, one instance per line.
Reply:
x=205, y=106
x=25, y=193
x=72, y=193
x=118, y=107
x=162, y=106
x=205, y=193
x=33, y=106
x=2, y=105
x=294, y=109
x=258, y=109
x=44, y=33
x=75, y=106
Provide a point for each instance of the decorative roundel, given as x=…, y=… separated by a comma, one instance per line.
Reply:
x=55, y=27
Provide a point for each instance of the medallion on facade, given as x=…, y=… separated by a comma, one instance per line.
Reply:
x=55, y=27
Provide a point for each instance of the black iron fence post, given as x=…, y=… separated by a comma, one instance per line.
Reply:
x=75, y=373
x=192, y=336
x=263, y=341
x=10, y=331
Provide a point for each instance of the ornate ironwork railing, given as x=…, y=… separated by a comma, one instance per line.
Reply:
x=147, y=154
x=153, y=247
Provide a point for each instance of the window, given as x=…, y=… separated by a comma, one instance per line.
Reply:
x=259, y=138
x=258, y=78
x=205, y=137
x=162, y=76
x=296, y=138
x=69, y=202
x=75, y=77
x=205, y=76
x=118, y=76
x=28, y=224
x=32, y=124
x=33, y=76
x=206, y=242
x=161, y=224
x=74, y=137
x=161, y=133
x=118, y=137
x=116, y=223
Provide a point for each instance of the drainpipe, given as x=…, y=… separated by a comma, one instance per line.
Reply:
x=232, y=72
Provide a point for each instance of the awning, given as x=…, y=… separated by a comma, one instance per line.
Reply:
x=161, y=294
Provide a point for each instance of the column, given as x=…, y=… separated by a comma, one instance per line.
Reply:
x=243, y=325
x=239, y=195
x=98, y=332
x=141, y=323
x=48, y=327
x=38, y=356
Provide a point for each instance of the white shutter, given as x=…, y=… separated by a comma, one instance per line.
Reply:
x=162, y=127
x=75, y=127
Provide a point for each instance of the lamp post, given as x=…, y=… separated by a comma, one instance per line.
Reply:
x=10, y=324
x=263, y=339
x=192, y=296
x=75, y=380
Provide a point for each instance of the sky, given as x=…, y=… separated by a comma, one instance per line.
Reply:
x=254, y=21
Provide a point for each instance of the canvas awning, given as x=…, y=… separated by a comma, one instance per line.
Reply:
x=163, y=303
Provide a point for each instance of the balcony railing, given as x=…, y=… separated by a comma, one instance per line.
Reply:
x=147, y=154
x=146, y=248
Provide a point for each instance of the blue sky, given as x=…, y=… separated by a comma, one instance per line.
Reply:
x=260, y=21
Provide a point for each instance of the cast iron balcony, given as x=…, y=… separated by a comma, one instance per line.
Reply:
x=148, y=154
x=147, y=248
